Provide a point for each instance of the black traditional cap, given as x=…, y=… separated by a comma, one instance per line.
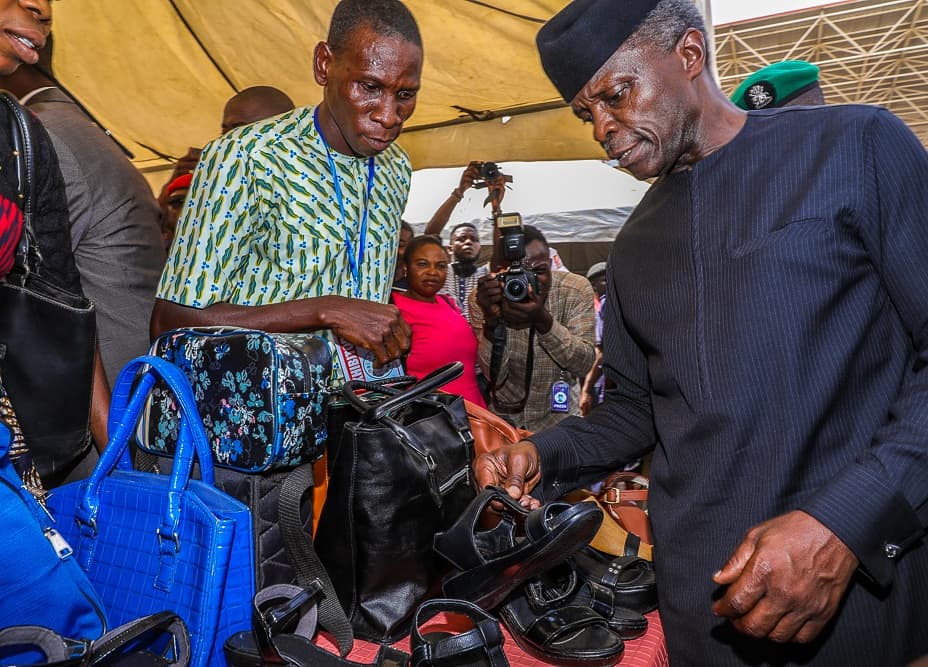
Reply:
x=579, y=39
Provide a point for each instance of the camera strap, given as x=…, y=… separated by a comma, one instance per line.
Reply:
x=496, y=360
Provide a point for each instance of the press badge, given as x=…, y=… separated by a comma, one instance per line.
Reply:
x=560, y=396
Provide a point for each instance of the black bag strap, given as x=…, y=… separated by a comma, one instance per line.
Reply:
x=374, y=412
x=24, y=149
x=303, y=557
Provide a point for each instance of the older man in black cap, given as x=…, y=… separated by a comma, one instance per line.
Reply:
x=768, y=337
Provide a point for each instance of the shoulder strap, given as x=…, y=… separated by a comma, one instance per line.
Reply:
x=303, y=557
x=24, y=150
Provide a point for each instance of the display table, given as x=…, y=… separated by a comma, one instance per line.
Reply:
x=648, y=650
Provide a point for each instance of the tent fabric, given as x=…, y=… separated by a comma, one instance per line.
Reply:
x=158, y=72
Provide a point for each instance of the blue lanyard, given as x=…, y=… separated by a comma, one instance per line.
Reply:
x=354, y=263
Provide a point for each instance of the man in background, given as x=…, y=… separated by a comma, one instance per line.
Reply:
x=254, y=104
x=248, y=106
x=765, y=328
x=548, y=345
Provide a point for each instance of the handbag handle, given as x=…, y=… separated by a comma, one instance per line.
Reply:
x=126, y=407
x=374, y=412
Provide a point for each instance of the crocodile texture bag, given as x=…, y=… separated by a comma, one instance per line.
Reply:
x=261, y=396
x=150, y=542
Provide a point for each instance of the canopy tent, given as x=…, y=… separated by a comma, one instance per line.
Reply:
x=158, y=72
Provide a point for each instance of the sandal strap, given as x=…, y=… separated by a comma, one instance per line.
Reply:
x=612, y=575
x=459, y=544
x=485, y=637
x=555, y=623
x=55, y=647
x=275, y=606
x=547, y=517
x=542, y=593
x=599, y=598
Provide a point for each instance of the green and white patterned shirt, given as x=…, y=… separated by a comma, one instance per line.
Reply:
x=262, y=222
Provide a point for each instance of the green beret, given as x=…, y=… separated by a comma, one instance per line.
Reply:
x=775, y=85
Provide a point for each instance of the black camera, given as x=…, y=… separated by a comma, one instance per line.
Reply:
x=489, y=171
x=515, y=280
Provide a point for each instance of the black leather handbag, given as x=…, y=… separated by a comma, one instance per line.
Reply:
x=47, y=336
x=401, y=474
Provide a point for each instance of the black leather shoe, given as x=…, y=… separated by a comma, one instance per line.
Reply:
x=562, y=586
x=495, y=562
x=567, y=636
x=631, y=579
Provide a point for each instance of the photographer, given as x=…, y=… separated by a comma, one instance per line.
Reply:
x=549, y=337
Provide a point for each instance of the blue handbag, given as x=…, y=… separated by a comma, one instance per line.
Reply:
x=40, y=580
x=151, y=542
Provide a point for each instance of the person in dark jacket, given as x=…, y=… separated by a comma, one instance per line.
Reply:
x=26, y=25
x=768, y=303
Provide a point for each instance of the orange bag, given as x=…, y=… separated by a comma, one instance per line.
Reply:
x=491, y=431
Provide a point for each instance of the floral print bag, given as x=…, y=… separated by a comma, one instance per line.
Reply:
x=262, y=396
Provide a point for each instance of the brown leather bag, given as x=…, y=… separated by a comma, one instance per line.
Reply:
x=625, y=496
x=491, y=431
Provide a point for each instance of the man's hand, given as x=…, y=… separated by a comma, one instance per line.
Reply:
x=530, y=312
x=514, y=467
x=586, y=401
x=786, y=579
x=471, y=174
x=374, y=326
x=490, y=298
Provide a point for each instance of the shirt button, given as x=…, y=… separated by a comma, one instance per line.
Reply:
x=891, y=550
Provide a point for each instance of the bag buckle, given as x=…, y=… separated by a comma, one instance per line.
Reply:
x=173, y=537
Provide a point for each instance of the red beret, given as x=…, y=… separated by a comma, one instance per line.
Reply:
x=182, y=181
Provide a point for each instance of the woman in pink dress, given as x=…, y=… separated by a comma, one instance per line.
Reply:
x=440, y=334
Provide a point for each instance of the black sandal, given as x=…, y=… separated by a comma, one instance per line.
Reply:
x=283, y=624
x=495, y=562
x=482, y=646
x=567, y=636
x=631, y=579
x=562, y=586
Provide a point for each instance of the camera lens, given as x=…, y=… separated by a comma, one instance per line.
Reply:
x=515, y=288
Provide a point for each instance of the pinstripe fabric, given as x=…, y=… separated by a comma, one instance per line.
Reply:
x=262, y=224
x=770, y=333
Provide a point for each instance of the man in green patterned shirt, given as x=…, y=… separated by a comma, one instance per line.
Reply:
x=292, y=223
